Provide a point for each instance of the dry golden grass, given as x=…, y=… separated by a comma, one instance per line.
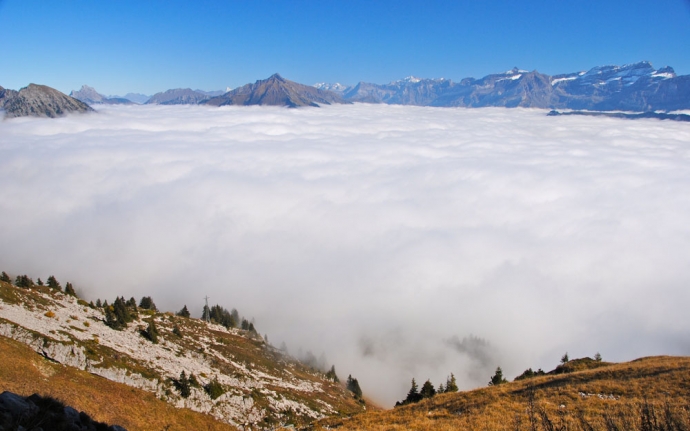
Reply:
x=25, y=373
x=663, y=383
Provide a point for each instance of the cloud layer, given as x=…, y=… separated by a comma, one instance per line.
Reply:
x=401, y=241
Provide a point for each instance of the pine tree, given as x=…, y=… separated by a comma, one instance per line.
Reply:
x=451, y=384
x=147, y=304
x=184, y=312
x=6, y=278
x=214, y=389
x=331, y=375
x=24, y=281
x=353, y=386
x=413, y=395
x=98, y=303
x=441, y=389
x=132, y=304
x=183, y=385
x=428, y=390
x=39, y=281
x=121, y=312
x=597, y=357
x=245, y=324
x=151, y=332
x=498, y=378
x=111, y=319
x=206, y=314
x=69, y=289
x=53, y=283
x=564, y=358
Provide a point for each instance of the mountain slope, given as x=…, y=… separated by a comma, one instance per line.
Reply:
x=645, y=394
x=241, y=379
x=39, y=101
x=276, y=91
x=24, y=372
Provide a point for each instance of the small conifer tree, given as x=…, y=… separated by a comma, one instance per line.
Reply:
x=147, y=304
x=331, y=375
x=69, y=290
x=353, y=386
x=111, y=320
x=428, y=390
x=184, y=312
x=5, y=277
x=498, y=378
x=214, y=389
x=151, y=332
x=183, y=385
x=39, y=281
x=413, y=395
x=53, y=283
x=98, y=303
x=564, y=358
x=451, y=384
x=597, y=357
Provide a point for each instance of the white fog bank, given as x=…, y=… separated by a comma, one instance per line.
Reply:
x=401, y=241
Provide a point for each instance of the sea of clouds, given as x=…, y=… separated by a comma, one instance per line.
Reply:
x=400, y=241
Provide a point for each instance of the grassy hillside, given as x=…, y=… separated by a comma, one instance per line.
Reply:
x=24, y=372
x=647, y=394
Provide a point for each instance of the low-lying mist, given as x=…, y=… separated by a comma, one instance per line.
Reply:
x=400, y=241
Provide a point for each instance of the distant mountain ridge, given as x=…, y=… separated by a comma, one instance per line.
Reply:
x=178, y=96
x=632, y=87
x=90, y=96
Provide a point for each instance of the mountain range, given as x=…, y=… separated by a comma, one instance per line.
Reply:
x=637, y=87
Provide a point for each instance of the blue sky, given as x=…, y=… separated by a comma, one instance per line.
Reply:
x=151, y=46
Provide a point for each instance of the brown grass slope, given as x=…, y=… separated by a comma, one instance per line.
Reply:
x=647, y=394
x=24, y=372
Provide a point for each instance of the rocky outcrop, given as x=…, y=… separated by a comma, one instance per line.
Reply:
x=39, y=101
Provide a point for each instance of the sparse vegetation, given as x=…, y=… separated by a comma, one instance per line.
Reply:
x=214, y=389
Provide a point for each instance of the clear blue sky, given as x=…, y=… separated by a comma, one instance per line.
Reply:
x=150, y=46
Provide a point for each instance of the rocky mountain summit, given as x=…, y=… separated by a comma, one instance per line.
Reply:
x=226, y=372
x=39, y=101
x=276, y=91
